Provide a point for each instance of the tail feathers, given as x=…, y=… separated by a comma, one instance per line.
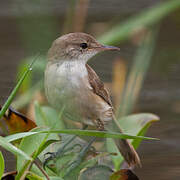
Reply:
x=126, y=149
x=128, y=152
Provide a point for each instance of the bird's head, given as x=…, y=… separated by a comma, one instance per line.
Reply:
x=76, y=46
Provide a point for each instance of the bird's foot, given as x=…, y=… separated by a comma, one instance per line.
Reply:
x=59, y=153
x=53, y=156
x=79, y=157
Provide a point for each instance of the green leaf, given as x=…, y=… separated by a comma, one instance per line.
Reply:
x=148, y=17
x=40, y=116
x=112, y=148
x=136, y=124
x=17, y=136
x=28, y=88
x=27, y=82
x=86, y=164
x=144, y=121
x=13, y=149
x=47, y=116
x=46, y=144
x=1, y=164
x=33, y=176
x=101, y=134
x=54, y=119
x=34, y=144
x=55, y=178
x=26, y=97
x=96, y=173
x=13, y=93
x=63, y=162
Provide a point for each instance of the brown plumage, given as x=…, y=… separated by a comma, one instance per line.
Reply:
x=98, y=85
x=70, y=81
x=123, y=145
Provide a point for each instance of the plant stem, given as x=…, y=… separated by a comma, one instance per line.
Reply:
x=13, y=93
x=41, y=169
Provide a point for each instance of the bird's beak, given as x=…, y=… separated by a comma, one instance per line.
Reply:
x=106, y=48
x=109, y=48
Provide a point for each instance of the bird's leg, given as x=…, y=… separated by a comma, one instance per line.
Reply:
x=60, y=151
x=100, y=126
x=79, y=157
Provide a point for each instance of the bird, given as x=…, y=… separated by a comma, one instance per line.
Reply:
x=71, y=83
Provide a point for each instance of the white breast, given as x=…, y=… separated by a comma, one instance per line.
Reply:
x=65, y=81
x=67, y=85
x=73, y=72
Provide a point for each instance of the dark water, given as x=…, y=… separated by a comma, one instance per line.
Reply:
x=161, y=90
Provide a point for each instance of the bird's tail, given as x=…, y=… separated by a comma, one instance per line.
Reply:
x=126, y=149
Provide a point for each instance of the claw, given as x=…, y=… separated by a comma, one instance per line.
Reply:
x=48, y=153
x=51, y=157
x=60, y=152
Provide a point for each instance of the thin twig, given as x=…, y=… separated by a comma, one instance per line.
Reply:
x=41, y=169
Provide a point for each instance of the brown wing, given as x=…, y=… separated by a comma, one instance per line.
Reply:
x=97, y=85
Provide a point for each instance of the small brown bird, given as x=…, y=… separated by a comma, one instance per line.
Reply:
x=71, y=82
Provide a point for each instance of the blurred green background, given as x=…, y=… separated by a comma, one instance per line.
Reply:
x=29, y=27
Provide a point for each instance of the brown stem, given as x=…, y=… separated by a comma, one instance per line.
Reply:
x=41, y=169
x=80, y=15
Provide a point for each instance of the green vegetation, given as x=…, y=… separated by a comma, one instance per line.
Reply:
x=1, y=165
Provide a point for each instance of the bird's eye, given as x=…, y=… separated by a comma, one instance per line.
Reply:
x=83, y=45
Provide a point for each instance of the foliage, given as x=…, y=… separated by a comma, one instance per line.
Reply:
x=1, y=164
x=12, y=95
